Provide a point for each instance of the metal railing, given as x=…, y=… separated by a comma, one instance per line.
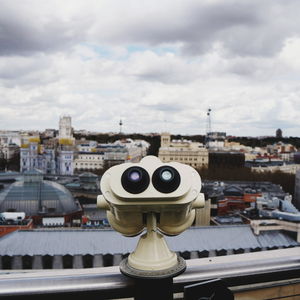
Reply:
x=109, y=283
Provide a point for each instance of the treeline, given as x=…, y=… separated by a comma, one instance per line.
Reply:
x=12, y=164
x=247, y=141
x=263, y=142
x=224, y=173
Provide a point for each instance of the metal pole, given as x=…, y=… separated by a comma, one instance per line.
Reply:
x=158, y=288
x=150, y=289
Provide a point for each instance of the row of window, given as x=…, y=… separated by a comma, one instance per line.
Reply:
x=184, y=159
x=88, y=164
x=92, y=157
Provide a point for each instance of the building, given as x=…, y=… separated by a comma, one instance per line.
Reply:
x=55, y=156
x=34, y=156
x=8, y=151
x=10, y=137
x=65, y=160
x=183, y=151
x=229, y=197
x=279, y=133
x=89, y=161
x=283, y=151
x=215, y=140
x=297, y=190
x=93, y=156
x=226, y=158
x=65, y=128
x=39, y=199
x=86, y=146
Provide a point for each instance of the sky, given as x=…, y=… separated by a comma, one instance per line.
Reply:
x=157, y=65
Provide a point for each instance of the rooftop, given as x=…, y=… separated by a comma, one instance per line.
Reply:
x=193, y=243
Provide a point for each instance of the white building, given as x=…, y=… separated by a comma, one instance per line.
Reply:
x=65, y=127
x=65, y=162
x=137, y=149
x=10, y=137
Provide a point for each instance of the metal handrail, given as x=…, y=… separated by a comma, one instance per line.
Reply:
x=109, y=282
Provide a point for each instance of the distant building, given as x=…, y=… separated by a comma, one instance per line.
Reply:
x=297, y=190
x=65, y=162
x=279, y=133
x=55, y=156
x=183, y=151
x=93, y=156
x=228, y=197
x=65, y=128
x=39, y=198
x=89, y=161
x=9, y=150
x=215, y=140
x=10, y=137
x=229, y=159
x=49, y=133
x=87, y=146
x=34, y=156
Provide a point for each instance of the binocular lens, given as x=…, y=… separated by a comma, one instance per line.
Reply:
x=166, y=175
x=166, y=179
x=135, y=180
x=134, y=176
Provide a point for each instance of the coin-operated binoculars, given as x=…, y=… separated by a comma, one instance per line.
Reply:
x=160, y=197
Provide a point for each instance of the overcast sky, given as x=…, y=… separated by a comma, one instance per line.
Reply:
x=158, y=65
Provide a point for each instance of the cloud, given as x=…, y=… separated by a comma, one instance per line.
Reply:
x=155, y=65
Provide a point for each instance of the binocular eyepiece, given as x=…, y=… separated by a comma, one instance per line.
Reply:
x=136, y=180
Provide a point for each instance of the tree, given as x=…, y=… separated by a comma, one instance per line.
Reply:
x=13, y=164
x=3, y=164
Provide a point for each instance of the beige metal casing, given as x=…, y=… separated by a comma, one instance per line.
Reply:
x=175, y=210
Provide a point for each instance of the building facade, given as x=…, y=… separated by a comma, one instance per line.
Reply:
x=89, y=160
x=187, y=152
x=34, y=156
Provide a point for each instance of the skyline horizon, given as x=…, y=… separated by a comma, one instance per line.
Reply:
x=149, y=132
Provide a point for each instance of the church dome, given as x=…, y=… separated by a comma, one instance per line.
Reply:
x=36, y=196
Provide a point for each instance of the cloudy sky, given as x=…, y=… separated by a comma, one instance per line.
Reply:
x=158, y=65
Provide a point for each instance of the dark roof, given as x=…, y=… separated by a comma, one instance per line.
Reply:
x=91, y=153
x=88, y=174
x=86, y=241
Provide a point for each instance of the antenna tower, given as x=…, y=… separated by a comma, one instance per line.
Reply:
x=208, y=124
x=120, y=123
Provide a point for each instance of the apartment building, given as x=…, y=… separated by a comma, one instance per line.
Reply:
x=183, y=151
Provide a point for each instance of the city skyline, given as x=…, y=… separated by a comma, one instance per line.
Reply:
x=158, y=66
